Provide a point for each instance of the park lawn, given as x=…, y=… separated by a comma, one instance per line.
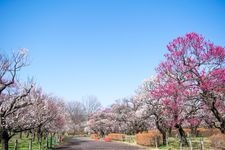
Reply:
x=23, y=144
x=175, y=145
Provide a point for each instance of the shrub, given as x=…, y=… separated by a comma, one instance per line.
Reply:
x=175, y=133
x=107, y=139
x=217, y=141
x=94, y=136
x=149, y=138
x=187, y=131
x=206, y=132
x=116, y=136
x=202, y=132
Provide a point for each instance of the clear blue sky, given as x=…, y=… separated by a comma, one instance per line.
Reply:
x=103, y=48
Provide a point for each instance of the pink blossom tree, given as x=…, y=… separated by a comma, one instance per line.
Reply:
x=191, y=79
x=178, y=101
x=198, y=64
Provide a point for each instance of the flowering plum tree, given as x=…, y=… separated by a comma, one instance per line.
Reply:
x=202, y=64
x=178, y=101
x=129, y=116
x=24, y=107
x=55, y=119
x=176, y=89
x=192, y=78
x=153, y=107
x=102, y=122
x=47, y=112
x=13, y=97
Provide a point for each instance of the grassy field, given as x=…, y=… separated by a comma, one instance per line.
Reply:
x=174, y=144
x=23, y=144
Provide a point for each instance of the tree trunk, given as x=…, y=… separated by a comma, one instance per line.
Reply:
x=194, y=130
x=215, y=111
x=163, y=135
x=222, y=127
x=170, y=131
x=5, y=144
x=219, y=118
x=28, y=133
x=21, y=134
x=47, y=146
x=34, y=136
x=39, y=134
x=101, y=133
x=164, y=138
x=183, y=136
x=5, y=140
x=51, y=140
x=162, y=130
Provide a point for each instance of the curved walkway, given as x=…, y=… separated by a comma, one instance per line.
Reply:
x=84, y=143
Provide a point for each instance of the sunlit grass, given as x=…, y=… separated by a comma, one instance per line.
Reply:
x=174, y=144
x=23, y=143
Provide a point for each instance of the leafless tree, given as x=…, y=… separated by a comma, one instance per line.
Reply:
x=91, y=104
x=76, y=112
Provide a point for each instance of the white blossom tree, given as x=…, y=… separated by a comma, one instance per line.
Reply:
x=129, y=116
x=153, y=108
x=102, y=122
x=13, y=96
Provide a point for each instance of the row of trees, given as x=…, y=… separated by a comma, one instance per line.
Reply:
x=187, y=91
x=25, y=106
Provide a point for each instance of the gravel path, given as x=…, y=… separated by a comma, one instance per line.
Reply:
x=83, y=143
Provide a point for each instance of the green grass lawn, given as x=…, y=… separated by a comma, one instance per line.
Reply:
x=23, y=144
x=174, y=144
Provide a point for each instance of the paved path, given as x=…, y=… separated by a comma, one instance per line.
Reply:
x=83, y=143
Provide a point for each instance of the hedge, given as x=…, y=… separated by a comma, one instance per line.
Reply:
x=149, y=138
x=117, y=136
